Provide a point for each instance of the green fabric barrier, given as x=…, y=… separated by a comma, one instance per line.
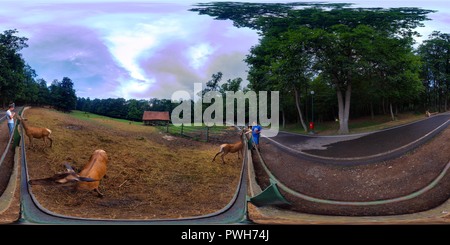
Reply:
x=270, y=196
x=250, y=143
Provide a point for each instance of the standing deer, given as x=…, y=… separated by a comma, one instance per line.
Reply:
x=88, y=179
x=230, y=148
x=36, y=132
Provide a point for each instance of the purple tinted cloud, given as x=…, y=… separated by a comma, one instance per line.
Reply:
x=143, y=49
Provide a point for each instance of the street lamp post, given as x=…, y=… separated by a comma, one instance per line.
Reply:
x=311, y=125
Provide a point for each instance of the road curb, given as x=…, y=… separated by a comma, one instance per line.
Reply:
x=275, y=215
x=366, y=159
x=8, y=195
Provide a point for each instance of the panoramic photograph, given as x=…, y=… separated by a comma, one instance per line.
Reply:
x=224, y=113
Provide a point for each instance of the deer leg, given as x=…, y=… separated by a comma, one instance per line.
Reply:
x=31, y=141
x=216, y=156
x=51, y=141
x=98, y=192
x=223, y=160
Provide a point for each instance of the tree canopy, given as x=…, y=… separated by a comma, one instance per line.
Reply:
x=348, y=48
x=18, y=79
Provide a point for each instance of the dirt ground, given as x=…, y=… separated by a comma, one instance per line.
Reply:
x=7, y=165
x=149, y=176
x=383, y=180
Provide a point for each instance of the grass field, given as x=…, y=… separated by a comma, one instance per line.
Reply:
x=90, y=116
x=149, y=175
x=360, y=125
x=198, y=133
x=195, y=132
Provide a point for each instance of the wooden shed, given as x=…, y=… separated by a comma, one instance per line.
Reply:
x=156, y=117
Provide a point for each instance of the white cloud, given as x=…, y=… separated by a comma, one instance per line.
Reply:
x=126, y=50
x=199, y=54
x=129, y=89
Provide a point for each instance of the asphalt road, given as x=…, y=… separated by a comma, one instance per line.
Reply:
x=362, y=145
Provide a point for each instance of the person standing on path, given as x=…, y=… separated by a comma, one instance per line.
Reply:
x=256, y=132
x=10, y=117
x=250, y=139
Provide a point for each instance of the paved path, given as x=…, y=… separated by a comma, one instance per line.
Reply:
x=362, y=145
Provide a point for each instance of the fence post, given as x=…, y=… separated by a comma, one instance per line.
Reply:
x=167, y=127
x=182, y=129
x=207, y=133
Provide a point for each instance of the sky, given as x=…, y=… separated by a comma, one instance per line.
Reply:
x=144, y=49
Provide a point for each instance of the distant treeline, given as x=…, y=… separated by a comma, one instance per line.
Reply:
x=124, y=109
x=133, y=109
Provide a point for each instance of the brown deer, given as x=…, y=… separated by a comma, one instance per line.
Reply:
x=36, y=132
x=230, y=148
x=88, y=179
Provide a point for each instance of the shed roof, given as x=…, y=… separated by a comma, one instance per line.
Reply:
x=156, y=115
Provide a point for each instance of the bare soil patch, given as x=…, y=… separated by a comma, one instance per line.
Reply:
x=148, y=176
x=377, y=181
x=8, y=163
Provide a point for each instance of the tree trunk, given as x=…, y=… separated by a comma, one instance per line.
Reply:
x=392, y=112
x=344, y=109
x=446, y=99
x=341, y=109
x=372, y=114
x=283, y=118
x=299, y=109
x=348, y=95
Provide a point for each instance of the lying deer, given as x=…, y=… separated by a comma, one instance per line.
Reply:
x=230, y=148
x=88, y=179
x=36, y=132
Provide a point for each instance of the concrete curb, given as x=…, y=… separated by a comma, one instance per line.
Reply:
x=274, y=215
x=8, y=196
x=366, y=159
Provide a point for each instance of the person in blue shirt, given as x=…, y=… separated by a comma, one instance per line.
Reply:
x=256, y=133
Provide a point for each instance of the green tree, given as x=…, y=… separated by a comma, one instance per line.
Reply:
x=62, y=95
x=43, y=93
x=134, y=111
x=12, y=65
x=231, y=85
x=341, y=48
x=435, y=54
x=397, y=69
x=27, y=90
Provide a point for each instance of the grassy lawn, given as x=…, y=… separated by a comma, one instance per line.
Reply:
x=359, y=125
x=172, y=128
x=90, y=116
x=195, y=132
x=187, y=129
